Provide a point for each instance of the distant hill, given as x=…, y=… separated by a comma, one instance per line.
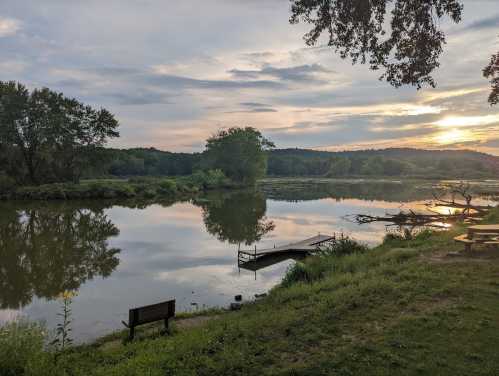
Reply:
x=435, y=164
x=385, y=162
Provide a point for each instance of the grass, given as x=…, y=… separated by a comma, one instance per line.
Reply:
x=404, y=308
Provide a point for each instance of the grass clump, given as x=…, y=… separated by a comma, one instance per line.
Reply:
x=22, y=350
x=315, y=268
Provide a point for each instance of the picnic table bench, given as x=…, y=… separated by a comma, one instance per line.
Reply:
x=480, y=234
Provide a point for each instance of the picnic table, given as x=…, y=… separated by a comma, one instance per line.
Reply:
x=480, y=234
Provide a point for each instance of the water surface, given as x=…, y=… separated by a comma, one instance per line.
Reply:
x=118, y=255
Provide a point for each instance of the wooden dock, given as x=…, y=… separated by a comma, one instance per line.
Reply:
x=304, y=246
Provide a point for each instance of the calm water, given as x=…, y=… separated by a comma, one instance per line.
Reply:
x=121, y=255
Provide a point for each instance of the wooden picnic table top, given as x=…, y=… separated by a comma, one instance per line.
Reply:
x=484, y=228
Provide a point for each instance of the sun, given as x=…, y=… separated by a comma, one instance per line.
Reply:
x=453, y=136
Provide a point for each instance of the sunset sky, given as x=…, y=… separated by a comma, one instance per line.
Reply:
x=174, y=72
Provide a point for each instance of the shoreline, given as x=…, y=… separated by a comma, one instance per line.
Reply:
x=420, y=305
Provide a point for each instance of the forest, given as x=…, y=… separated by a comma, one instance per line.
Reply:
x=411, y=163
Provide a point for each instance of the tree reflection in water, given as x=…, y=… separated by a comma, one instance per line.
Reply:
x=49, y=248
x=237, y=217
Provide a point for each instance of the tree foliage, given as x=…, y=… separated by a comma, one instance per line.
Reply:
x=237, y=218
x=46, y=137
x=46, y=250
x=407, y=46
x=491, y=71
x=390, y=162
x=241, y=153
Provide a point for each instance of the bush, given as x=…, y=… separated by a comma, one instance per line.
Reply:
x=316, y=267
x=22, y=350
x=407, y=235
x=145, y=187
x=207, y=179
x=299, y=272
x=167, y=187
x=7, y=184
x=343, y=246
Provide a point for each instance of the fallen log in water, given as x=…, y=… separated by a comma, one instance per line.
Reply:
x=466, y=212
x=410, y=218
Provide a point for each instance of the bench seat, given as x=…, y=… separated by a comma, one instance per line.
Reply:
x=464, y=239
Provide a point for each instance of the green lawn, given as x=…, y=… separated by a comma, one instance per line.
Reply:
x=404, y=308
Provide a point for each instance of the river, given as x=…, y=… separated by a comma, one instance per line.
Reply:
x=119, y=255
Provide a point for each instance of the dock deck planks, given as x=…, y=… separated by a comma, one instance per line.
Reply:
x=307, y=245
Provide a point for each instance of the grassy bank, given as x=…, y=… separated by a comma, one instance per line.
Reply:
x=408, y=307
x=144, y=187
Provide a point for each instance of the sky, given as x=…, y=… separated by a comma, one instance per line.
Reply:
x=175, y=72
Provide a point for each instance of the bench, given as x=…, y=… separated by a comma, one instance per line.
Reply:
x=481, y=234
x=151, y=313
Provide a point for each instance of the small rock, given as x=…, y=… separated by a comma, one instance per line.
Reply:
x=453, y=254
x=235, y=306
x=238, y=298
x=259, y=296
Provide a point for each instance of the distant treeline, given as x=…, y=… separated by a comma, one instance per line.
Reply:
x=388, y=162
x=301, y=162
x=148, y=162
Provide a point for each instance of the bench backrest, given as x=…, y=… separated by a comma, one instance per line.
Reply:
x=151, y=313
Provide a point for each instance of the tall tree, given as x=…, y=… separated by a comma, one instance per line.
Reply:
x=55, y=136
x=241, y=153
x=492, y=71
x=407, y=47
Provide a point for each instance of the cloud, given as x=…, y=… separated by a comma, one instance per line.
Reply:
x=301, y=73
x=467, y=121
x=254, y=107
x=239, y=62
x=254, y=110
x=140, y=98
x=9, y=26
x=180, y=82
x=484, y=23
x=254, y=104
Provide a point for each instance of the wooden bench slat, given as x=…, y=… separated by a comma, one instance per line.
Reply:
x=151, y=313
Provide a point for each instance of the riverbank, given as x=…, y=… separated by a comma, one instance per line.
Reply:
x=407, y=307
x=143, y=187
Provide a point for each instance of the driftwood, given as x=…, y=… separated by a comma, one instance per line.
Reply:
x=410, y=218
x=464, y=211
x=463, y=191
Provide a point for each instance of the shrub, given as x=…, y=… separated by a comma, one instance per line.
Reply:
x=299, y=272
x=215, y=179
x=343, y=246
x=492, y=216
x=207, y=179
x=7, y=184
x=316, y=267
x=22, y=350
x=167, y=187
x=150, y=192
x=407, y=235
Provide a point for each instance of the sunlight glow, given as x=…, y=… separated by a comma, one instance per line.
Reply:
x=467, y=121
x=453, y=136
